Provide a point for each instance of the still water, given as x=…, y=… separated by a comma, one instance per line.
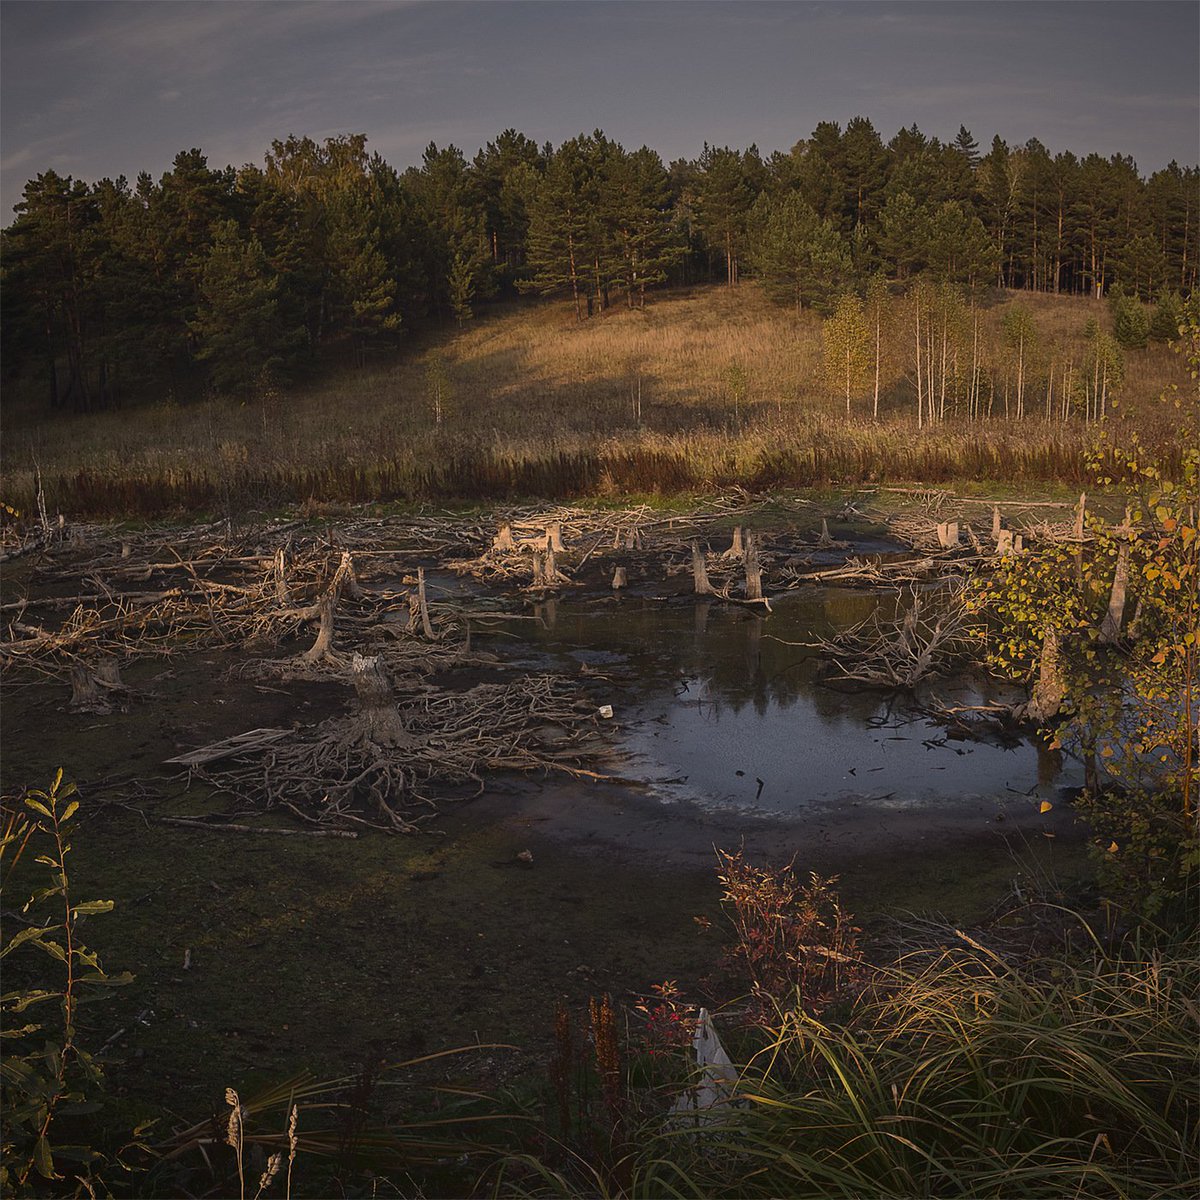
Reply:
x=715, y=706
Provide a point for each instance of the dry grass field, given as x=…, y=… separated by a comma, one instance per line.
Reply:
x=702, y=389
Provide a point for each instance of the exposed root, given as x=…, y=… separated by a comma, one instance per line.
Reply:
x=380, y=765
x=922, y=641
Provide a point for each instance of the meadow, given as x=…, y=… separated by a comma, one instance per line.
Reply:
x=701, y=390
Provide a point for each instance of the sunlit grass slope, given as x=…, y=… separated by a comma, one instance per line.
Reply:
x=702, y=389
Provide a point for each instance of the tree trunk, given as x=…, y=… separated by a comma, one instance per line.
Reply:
x=753, y=570
x=700, y=583
x=1110, y=627
x=1049, y=691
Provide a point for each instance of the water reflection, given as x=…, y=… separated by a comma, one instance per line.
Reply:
x=729, y=698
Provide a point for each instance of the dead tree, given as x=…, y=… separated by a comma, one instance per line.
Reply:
x=1110, y=627
x=700, y=582
x=824, y=540
x=996, y=527
x=753, y=570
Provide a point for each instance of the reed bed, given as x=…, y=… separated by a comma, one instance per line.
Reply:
x=958, y=1073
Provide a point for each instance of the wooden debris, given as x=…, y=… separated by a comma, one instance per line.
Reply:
x=241, y=743
x=620, y=578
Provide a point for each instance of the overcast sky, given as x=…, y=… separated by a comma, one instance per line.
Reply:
x=106, y=88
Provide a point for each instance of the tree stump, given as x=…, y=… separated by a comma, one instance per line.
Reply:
x=737, y=548
x=377, y=711
x=1004, y=543
x=346, y=579
x=1079, y=515
x=620, y=578
x=1110, y=627
x=418, y=609
x=753, y=570
x=323, y=646
x=824, y=539
x=700, y=583
x=947, y=533
x=92, y=685
x=1049, y=691
x=503, y=542
x=283, y=596
x=997, y=527
x=554, y=537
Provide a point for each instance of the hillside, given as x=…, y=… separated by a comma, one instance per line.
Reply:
x=701, y=389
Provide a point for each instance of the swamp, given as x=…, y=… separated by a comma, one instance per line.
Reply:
x=371, y=785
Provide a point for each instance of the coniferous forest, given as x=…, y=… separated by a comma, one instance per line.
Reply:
x=222, y=280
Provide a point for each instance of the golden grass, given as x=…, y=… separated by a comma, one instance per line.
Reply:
x=536, y=403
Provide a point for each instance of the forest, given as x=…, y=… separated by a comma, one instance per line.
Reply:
x=223, y=280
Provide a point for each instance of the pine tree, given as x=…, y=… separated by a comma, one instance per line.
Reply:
x=723, y=201
x=967, y=146
x=236, y=324
x=1131, y=324
x=799, y=258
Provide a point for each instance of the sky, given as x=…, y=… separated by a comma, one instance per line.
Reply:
x=95, y=88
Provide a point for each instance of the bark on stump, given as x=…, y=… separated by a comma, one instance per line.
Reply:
x=92, y=685
x=700, y=583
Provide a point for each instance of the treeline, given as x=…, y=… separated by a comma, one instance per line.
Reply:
x=234, y=279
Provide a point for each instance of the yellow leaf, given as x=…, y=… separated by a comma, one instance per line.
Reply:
x=1046, y=806
x=1113, y=847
